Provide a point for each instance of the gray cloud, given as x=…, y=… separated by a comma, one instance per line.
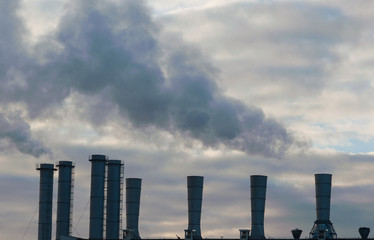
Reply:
x=288, y=45
x=115, y=49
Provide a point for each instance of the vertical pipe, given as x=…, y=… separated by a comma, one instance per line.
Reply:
x=45, y=201
x=133, y=190
x=64, y=197
x=258, y=197
x=296, y=233
x=195, y=197
x=364, y=232
x=323, y=227
x=323, y=196
x=113, y=200
x=97, y=196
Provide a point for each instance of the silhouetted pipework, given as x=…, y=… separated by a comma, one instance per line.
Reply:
x=195, y=198
x=113, y=200
x=133, y=190
x=97, y=196
x=45, y=201
x=64, y=198
x=258, y=197
x=364, y=232
x=323, y=228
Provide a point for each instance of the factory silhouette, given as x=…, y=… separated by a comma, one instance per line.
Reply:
x=107, y=179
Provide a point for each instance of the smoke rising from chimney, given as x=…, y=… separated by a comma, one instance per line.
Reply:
x=113, y=51
x=15, y=132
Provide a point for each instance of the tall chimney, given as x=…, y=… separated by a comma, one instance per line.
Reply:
x=97, y=196
x=45, y=200
x=323, y=228
x=258, y=197
x=64, y=198
x=133, y=190
x=195, y=197
x=113, y=200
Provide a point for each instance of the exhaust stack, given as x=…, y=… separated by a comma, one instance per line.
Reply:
x=114, y=199
x=296, y=233
x=64, y=199
x=97, y=196
x=364, y=232
x=45, y=200
x=323, y=228
x=195, y=197
x=133, y=190
x=258, y=197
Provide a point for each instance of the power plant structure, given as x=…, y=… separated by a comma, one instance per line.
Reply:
x=133, y=192
x=258, y=197
x=323, y=227
x=114, y=199
x=45, y=200
x=105, y=220
x=98, y=163
x=195, y=198
x=64, y=199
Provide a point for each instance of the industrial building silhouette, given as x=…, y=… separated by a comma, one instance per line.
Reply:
x=106, y=204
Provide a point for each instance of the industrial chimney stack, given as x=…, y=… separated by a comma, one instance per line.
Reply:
x=258, y=197
x=64, y=199
x=133, y=190
x=113, y=200
x=323, y=228
x=45, y=201
x=97, y=196
x=195, y=198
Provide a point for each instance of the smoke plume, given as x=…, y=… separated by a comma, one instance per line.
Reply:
x=116, y=48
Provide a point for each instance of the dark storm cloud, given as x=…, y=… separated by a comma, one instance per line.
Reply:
x=115, y=49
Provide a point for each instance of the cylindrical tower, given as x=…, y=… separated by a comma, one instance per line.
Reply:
x=323, y=227
x=258, y=197
x=133, y=190
x=45, y=201
x=195, y=198
x=296, y=233
x=113, y=199
x=97, y=196
x=323, y=196
x=364, y=232
x=64, y=198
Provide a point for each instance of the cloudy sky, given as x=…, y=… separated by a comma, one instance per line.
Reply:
x=221, y=89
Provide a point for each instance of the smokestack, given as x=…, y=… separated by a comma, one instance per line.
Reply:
x=195, y=197
x=45, y=201
x=114, y=199
x=258, y=197
x=64, y=199
x=296, y=233
x=133, y=190
x=97, y=196
x=364, y=232
x=323, y=228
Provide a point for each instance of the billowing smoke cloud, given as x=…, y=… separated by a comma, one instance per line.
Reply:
x=15, y=132
x=115, y=48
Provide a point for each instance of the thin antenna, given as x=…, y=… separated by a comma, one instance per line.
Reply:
x=28, y=226
x=80, y=217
